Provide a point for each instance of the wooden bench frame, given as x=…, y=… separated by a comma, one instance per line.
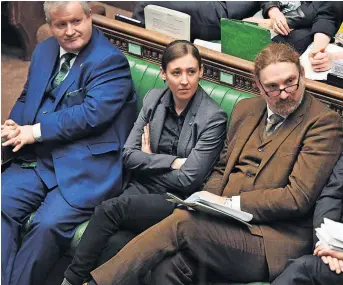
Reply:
x=218, y=67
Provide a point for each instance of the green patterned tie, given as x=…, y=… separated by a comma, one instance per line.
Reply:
x=274, y=120
x=64, y=69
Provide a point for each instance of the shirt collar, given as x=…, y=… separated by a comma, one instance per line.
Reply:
x=63, y=52
x=270, y=112
x=169, y=103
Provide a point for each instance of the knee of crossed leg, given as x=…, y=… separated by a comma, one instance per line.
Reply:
x=99, y=211
x=106, y=210
x=183, y=220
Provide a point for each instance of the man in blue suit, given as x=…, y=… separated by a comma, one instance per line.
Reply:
x=67, y=129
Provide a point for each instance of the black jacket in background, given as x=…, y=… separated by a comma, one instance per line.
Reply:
x=319, y=16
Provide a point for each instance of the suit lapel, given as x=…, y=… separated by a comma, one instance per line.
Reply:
x=187, y=127
x=285, y=130
x=76, y=68
x=157, y=121
x=64, y=85
x=247, y=127
x=41, y=79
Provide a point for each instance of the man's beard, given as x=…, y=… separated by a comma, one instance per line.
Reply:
x=287, y=106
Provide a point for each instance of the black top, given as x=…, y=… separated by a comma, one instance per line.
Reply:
x=172, y=127
x=320, y=16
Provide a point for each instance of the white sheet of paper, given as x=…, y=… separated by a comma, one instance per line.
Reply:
x=167, y=21
x=209, y=45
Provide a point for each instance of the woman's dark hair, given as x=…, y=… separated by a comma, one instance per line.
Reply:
x=177, y=49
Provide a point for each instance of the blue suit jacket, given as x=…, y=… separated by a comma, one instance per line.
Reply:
x=93, y=114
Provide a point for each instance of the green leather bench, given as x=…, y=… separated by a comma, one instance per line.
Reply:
x=145, y=77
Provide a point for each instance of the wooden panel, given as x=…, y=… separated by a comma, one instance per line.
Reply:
x=218, y=67
x=26, y=17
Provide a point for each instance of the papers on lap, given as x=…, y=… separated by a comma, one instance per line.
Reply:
x=331, y=234
x=211, y=204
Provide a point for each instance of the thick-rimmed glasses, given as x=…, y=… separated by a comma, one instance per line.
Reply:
x=288, y=89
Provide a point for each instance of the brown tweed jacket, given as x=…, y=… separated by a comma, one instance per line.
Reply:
x=295, y=168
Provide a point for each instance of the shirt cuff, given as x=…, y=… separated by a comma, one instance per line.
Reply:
x=236, y=202
x=36, y=131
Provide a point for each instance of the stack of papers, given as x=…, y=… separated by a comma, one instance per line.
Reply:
x=211, y=204
x=331, y=234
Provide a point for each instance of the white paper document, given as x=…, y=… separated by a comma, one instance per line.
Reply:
x=167, y=21
x=331, y=234
x=206, y=202
x=209, y=45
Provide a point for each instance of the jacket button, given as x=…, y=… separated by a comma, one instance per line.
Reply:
x=45, y=111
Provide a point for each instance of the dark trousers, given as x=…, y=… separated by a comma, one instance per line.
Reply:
x=225, y=247
x=114, y=223
x=29, y=261
x=308, y=270
x=181, y=269
x=300, y=39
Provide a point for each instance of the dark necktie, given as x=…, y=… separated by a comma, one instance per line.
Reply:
x=64, y=69
x=274, y=120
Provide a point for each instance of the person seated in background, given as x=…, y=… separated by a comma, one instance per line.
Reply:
x=67, y=128
x=280, y=150
x=302, y=23
x=173, y=146
x=205, y=15
x=325, y=266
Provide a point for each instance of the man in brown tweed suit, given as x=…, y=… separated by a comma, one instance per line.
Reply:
x=279, y=153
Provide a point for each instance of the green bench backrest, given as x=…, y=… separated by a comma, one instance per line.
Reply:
x=146, y=76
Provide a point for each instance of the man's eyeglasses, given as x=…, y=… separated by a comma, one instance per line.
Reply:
x=288, y=89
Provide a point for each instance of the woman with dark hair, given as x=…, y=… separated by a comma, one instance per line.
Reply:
x=172, y=147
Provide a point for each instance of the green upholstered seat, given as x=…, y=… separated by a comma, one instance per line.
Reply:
x=146, y=76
